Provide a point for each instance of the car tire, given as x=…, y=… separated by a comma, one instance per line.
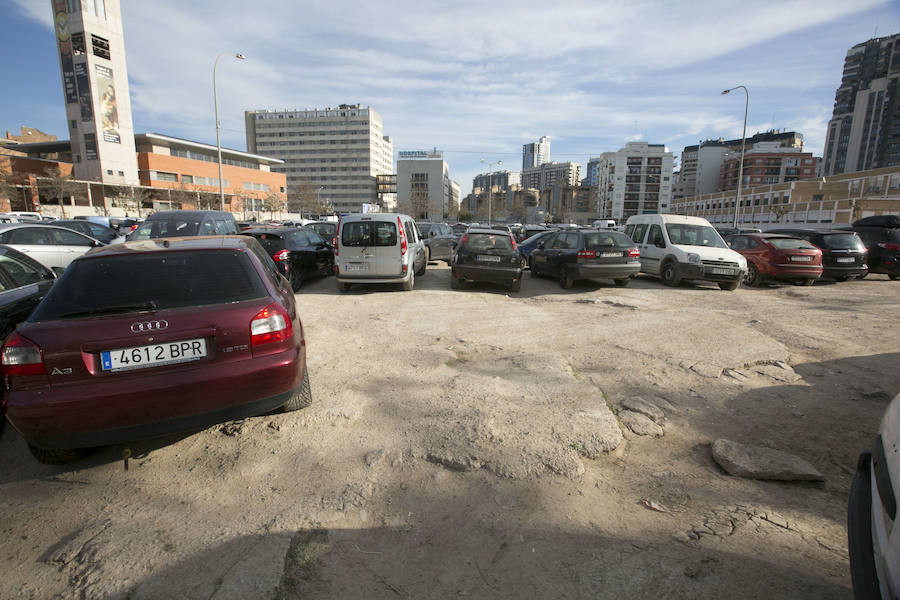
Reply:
x=752, y=277
x=427, y=254
x=863, y=276
x=410, y=283
x=863, y=573
x=301, y=398
x=454, y=281
x=530, y=264
x=56, y=456
x=296, y=280
x=729, y=286
x=622, y=282
x=516, y=285
x=669, y=274
x=806, y=282
x=565, y=278
x=343, y=286
x=421, y=271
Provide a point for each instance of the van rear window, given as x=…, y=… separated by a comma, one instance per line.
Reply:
x=369, y=233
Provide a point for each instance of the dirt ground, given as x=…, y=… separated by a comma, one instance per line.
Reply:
x=464, y=444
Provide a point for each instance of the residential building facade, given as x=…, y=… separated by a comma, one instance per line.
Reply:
x=536, y=153
x=91, y=48
x=837, y=201
x=547, y=174
x=498, y=180
x=635, y=180
x=864, y=130
x=340, y=151
x=765, y=163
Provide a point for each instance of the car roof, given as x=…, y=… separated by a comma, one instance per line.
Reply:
x=33, y=224
x=200, y=242
x=166, y=214
x=487, y=230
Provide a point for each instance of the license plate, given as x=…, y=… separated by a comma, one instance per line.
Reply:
x=846, y=259
x=802, y=258
x=609, y=254
x=356, y=267
x=153, y=355
x=718, y=271
x=488, y=258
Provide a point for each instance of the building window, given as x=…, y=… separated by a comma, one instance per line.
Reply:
x=78, y=43
x=97, y=8
x=100, y=46
x=160, y=176
x=73, y=6
x=187, y=179
x=121, y=173
x=109, y=172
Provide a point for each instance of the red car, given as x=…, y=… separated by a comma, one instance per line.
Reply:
x=148, y=338
x=780, y=257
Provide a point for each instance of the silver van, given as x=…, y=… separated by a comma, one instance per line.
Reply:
x=378, y=248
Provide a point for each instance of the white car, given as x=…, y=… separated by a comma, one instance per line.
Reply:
x=53, y=247
x=676, y=247
x=873, y=531
x=378, y=248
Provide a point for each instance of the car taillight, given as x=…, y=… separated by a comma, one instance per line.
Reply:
x=334, y=244
x=515, y=246
x=402, y=238
x=271, y=324
x=282, y=255
x=633, y=253
x=889, y=246
x=586, y=254
x=462, y=242
x=21, y=356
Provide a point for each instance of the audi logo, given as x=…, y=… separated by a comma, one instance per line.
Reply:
x=145, y=326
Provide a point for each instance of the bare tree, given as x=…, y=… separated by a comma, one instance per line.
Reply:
x=139, y=195
x=303, y=198
x=53, y=185
x=271, y=203
x=779, y=210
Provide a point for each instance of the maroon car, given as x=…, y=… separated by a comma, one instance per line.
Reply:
x=149, y=338
x=776, y=256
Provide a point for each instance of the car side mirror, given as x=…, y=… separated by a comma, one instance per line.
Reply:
x=540, y=246
x=59, y=271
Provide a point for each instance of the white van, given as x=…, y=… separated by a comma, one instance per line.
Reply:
x=604, y=224
x=676, y=247
x=378, y=248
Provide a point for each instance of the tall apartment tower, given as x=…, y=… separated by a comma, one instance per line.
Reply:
x=536, y=153
x=864, y=131
x=95, y=88
x=635, y=180
x=340, y=151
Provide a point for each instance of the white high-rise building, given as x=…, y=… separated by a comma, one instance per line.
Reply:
x=536, y=153
x=95, y=89
x=635, y=180
x=339, y=150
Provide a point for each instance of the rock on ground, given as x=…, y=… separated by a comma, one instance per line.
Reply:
x=639, y=405
x=640, y=424
x=754, y=462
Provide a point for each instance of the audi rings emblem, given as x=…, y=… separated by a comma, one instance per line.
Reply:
x=147, y=326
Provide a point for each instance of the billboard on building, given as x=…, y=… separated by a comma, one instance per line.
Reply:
x=64, y=41
x=84, y=91
x=109, y=111
x=90, y=146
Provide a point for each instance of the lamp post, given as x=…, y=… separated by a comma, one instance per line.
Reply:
x=218, y=140
x=737, y=201
x=491, y=185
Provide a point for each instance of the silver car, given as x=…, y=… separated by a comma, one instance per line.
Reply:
x=53, y=247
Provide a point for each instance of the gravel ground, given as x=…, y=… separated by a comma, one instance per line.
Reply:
x=474, y=443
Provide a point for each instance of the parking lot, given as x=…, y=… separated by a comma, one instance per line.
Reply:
x=465, y=443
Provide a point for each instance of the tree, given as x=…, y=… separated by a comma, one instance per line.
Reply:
x=419, y=201
x=271, y=203
x=779, y=210
x=303, y=198
x=53, y=185
x=139, y=195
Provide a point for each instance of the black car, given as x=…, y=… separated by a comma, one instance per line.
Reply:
x=439, y=240
x=843, y=253
x=881, y=235
x=298, y=253
x=486, y=255
x=23, y=283
x=95, y=230
x=325, y=229
x=574, y=254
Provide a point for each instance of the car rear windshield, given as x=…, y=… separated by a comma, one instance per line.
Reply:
x=694, y=235
x=841, y=241
x=272, y=242
x=369, y=233
x=606, y=239
x=791, y=244
x=326, y=230
x=483, y=242
x=151, y=280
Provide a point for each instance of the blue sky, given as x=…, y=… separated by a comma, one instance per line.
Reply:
x=476, y=80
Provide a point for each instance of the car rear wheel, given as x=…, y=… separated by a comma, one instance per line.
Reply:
x=729, y=286
x=805, y=282
x=343, y=287
x=56, y=456
x=410, y=283
x=863, y=276
x=669, y=274
x=515, y=286
x=454, y=281
x=752, y=277
x=523, y=262
x=296, y=280
x=565, y=278
x=302, y=398
x=622, y=282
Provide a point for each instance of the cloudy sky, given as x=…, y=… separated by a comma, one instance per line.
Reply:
x=474, y=79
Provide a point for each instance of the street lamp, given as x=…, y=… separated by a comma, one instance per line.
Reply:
x=737, y=201
x=491, y=185
x=218, y=141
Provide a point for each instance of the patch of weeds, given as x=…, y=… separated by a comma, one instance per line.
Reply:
x=578, y=448
x=575, y=372
x=301, y=560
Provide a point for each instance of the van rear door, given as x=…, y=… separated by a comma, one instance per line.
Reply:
x=369, y=248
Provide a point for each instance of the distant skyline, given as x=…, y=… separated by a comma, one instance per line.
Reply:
x=476, y=81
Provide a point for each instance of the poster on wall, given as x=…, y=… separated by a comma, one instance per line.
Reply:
x=84, y=91
x=109, y=111
x=64, y=40
x=90, y=146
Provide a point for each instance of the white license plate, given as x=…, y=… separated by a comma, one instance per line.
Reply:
x=718, y=271
x=153, y=355
x=609, y=254
x=848, y=259
x=356, y=267
x=488, y=258
x=801, y=258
